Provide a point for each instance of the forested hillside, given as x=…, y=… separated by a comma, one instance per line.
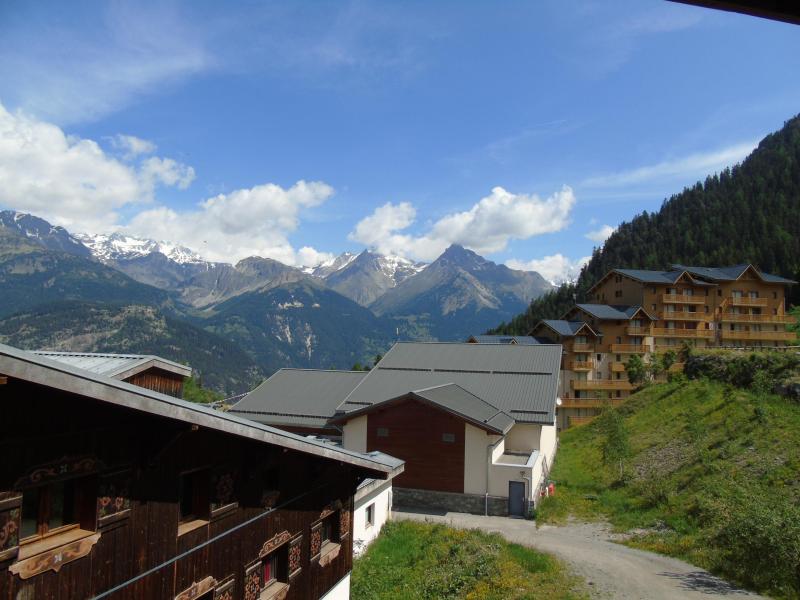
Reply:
x=748, y=213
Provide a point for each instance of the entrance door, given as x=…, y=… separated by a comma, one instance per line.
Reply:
x=516, y=498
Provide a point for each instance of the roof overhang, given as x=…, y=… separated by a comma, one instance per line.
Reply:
x=777, y=10
x=25, y=366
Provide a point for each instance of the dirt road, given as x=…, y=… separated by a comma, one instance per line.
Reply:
x=611, y=570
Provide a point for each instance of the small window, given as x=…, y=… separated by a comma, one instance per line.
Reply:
x=654, y=306
x=449, y=437
x=383, y=432
x=330, y=529
x=599, y=357
x=194, y=501
x=274, y=568
x=719, y=292
x=370, y=515
x=775, y=295
x=653, y=290
x=49, y=508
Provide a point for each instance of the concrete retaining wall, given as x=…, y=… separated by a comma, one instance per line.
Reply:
x=466, y=503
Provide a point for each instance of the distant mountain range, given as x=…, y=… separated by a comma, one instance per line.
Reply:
x=238, y=323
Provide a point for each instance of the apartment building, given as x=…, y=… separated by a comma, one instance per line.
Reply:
x=635, y=311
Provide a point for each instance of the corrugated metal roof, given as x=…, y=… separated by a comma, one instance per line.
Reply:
x=458, y=400
x=731, y=273
x=562, y=327
x=118, y=366
x=651, y=276
x=520, y=380
x=301, y=397
x=522, y=340
x=528, y=340
x=608, y=311
x=28, y=366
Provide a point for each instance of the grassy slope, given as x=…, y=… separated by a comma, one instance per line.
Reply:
x=420, y=560
x=701, y=453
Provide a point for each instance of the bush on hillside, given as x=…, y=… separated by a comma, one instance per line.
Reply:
x=755, y=370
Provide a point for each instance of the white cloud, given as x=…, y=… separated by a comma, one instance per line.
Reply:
x=71, y=181
x=556, y=269
x=688, y=167
x=246, y=222
x=132, y=146
x=600, y=235
x=486, y=227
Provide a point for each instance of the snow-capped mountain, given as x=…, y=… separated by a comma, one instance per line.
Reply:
x=330, y=266
x=118, y=246
x=42, y=233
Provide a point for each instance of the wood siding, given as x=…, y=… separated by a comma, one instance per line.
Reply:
x=414, y=434
x=158, y=381
x=143, y=456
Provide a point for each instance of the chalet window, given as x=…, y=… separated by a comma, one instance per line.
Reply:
x=775, y=295
x=370, y=515
x=273, y=567
x=719, y=292
x=599, y=357
x=449, y=437
x=194, y=500
x=383, y=432
x=653, y=290
x=57, y=507
x=329, y=533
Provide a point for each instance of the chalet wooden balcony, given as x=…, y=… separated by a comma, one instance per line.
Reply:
x=576, y=420
x=777, y=336
x=601, y=384
x=629, y=349
x=737, y=318
x=580, y=365
x=682, y=299
x=582, y=347
x=638, y=330
x=680, y=315
x=746, y=301
x=617, y=367
x=683, y=333
x=589, y=402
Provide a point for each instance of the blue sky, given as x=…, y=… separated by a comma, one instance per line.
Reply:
x=525, y=130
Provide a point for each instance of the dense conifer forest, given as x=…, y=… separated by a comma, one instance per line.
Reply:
x=747, y=213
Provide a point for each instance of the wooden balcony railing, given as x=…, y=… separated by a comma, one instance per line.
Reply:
x=680, y=315
x=582, y=347
x=737, y=318
x=630, y=348
x=580, y=365
x=683, y=333
x=727, y=334
x=747, y=301
x=576, y=420
x=638, y=330
x=601, y=384
x=682, y=299
x=589, y=402
x=617, y=367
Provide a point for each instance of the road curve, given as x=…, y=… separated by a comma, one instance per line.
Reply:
x=610, y=570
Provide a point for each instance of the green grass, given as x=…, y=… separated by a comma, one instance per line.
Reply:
x=412, y=560
x=713, y=477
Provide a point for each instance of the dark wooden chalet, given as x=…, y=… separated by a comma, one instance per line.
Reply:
x=145, y=370
x=109, y=490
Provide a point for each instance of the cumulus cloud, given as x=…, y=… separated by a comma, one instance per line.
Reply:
x=556, y=268
x=600, y=235
x=71, y=181
x=247, y=222
x=131, y=146
x=486, y=227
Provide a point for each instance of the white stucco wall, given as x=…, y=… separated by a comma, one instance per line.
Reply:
x=354, y=434
x=341, y=591
x=381, y=498
x=524, y=437
x=548, y=443
x=476, y=442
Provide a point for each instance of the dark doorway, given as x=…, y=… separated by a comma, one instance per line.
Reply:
x=516, y=498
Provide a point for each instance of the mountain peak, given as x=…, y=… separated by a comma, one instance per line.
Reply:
x=460, y=256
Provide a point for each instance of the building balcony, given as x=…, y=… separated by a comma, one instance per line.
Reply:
x=737, y=334
x=582, y=347
x=738, y=318
x=682, y=299
x=629, y=349
x=746, y=301
x=679, y=315
x=683, y=333
x=601, y=384
x=580, y=365
x=617, y=367
x=638, y=331
x=589, y=402
x=573, y=420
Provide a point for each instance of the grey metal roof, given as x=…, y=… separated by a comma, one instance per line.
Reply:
x=528, y=340
x=44, y=371
x=731, y=273
x=119, y=366
x=608, y=311
x=523, y=340
x=562, y=327
x=456, y=399
x=651, y=276
x=519, y=380
x=298, y=397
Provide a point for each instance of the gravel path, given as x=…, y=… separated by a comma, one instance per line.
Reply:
x=611, y=570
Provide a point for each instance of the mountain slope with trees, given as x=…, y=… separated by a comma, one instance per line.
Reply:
x=748, y=213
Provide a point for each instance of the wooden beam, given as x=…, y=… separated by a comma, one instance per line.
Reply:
x=3, y=380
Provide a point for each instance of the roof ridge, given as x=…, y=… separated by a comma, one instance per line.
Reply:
x=486, y=402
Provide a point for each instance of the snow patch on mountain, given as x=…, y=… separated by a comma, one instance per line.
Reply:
x=118, y=246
